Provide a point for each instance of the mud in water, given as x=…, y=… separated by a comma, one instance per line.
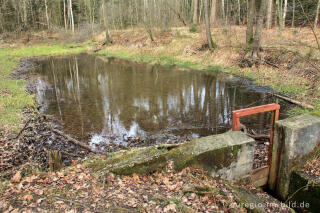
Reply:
x=114, y=101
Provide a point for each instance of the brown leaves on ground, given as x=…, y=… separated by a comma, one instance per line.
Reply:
x=78, y=189
x=16, y=178
x=313, y=168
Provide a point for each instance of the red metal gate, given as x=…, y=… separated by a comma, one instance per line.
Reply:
x=260, y=176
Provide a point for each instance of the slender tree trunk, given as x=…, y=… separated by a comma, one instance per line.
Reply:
x=277, y=13
x=146, y=21
x=269, y=14
x=207, y=21
x=71, y=16
x=283, y=14
x=25, y=20
x=47, y=15
x=213, y=11
x=257, y=37
x=317, y=16
x=200, y=11
x=64, y=14
x=223, y=10
x=106, y=24
x=285, y=8
x=239, y=12
x=293, y=12
x=195, y=11
x=249, y=32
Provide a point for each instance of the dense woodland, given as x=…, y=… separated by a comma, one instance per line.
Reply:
x=22, y=15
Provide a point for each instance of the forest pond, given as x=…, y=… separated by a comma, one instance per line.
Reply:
x=103, y=101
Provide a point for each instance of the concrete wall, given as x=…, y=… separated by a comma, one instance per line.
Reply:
x=229, y=156
x=296, y=140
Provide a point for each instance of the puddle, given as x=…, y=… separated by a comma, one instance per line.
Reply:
x=117, y=101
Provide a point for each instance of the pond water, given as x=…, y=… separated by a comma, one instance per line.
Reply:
x=104, y=101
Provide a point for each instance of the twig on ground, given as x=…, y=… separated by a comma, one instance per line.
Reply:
x=72, y=140
x=304, y=105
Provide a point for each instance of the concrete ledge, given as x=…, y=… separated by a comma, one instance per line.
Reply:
x=229, y=155
x=296, y=140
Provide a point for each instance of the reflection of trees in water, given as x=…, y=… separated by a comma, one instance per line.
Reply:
x=122, y=97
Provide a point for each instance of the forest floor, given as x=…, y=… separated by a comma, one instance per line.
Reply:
x=290, y=64
x=80, y=189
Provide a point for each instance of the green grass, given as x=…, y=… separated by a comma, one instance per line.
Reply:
x=13, y=95
x=165, y=60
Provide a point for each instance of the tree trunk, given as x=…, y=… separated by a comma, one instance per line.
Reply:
x=239, y=12
x=207, y=21
x=249, y=32
x=223, y=10
x=71, y=16
x=257, y=37
x=25, y=20
x=106, y=24
x=283, y=15
x=317, y=16
x=47, y=16
x=213, y=11
x=64, y=14
x=146, y=21
x=277, y=13
x=269, y=14
x=195, y=11
x=293, y=12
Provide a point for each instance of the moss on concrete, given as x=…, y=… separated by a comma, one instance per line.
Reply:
x=142, y=161
x=305, y=190
x=217, y=153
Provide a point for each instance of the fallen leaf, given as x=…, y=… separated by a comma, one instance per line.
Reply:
x=27, y=197
x=16, y=178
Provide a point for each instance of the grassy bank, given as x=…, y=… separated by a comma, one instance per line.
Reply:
x=13, y=95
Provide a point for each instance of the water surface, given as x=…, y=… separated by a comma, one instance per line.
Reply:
x=117, y=101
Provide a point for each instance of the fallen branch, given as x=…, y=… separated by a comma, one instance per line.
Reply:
x=304, y=105
x=22, y=130
x=74, y=141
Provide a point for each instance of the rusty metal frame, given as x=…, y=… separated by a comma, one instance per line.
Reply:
x=275, y=108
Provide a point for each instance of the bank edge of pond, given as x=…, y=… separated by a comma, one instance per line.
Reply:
x=14, y=96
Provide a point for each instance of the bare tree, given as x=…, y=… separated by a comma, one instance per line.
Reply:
x=317, y=16
x=293, y=12
x=257, y=36
x=213, y=11
x=253, y=42
x=250, y=21
x=195, y=11
x=70, y=14
x=207, y=21
x=47, y=16
x=106, y=24
x=283, y=13
x=269, y=14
